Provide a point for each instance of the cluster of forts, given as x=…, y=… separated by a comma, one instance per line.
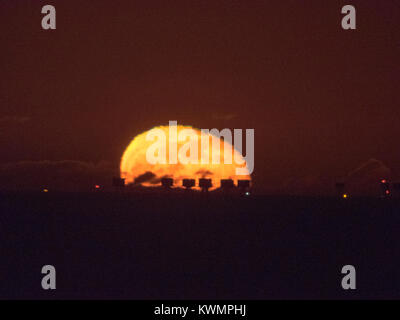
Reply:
x=203, y=183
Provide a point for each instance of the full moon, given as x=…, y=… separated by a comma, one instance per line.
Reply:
x=136, y=169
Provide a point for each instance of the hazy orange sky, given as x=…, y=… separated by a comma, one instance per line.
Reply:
x=321, y=100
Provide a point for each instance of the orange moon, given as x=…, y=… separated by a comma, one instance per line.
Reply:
x=136, y=169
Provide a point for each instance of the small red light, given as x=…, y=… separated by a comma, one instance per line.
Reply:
x=387, y=192
x=383, y=181
x=97, y=186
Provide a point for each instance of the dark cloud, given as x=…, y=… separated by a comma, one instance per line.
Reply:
x=149, y=177
x=59, y=175
x=145, y=177
x=204, y=173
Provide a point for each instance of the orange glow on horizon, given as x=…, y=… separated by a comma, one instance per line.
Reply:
x=134, y=164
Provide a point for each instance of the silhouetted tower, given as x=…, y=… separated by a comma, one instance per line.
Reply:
x=244, y=185
x=167, y=182
x=385, y=187
x=205, y=184
x=227, y=184
x=188, y=183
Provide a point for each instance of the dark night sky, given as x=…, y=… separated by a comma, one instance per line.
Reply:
x=321, y=100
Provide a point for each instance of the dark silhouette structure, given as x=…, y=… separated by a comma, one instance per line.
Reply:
x=244, y=185
x=227, y=184
x=188, y=183
x=385, y=187
x=167, y=182
x=205, y=184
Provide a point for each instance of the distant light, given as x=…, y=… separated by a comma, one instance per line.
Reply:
x=45, y=190
x=247, y=193
x=383, y=181
x=97, y=186
x=387, y=192
x=345, y=196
